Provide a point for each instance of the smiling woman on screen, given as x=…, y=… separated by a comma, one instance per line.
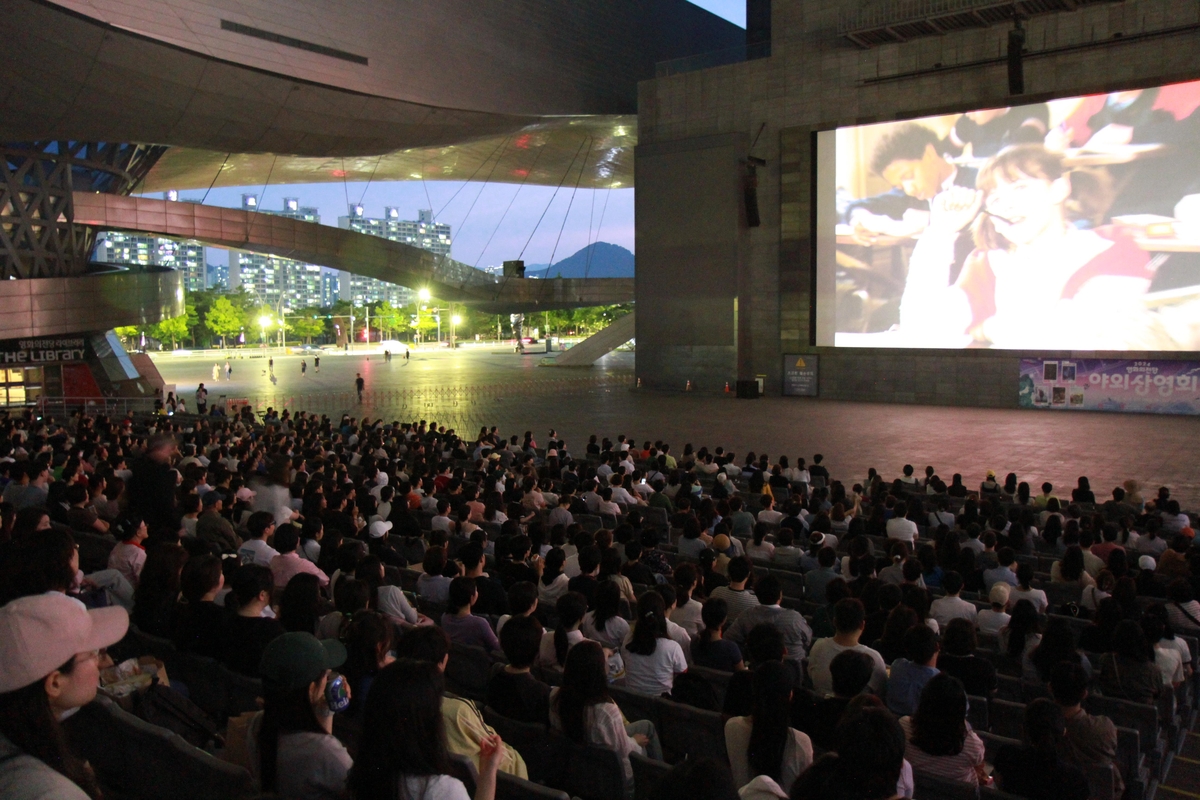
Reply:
x=1038, y=277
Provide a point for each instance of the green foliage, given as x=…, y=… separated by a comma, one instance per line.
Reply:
x=302, y=324
x=224, y=319
x=172, y=329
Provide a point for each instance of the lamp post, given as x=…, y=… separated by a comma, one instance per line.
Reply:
x=455, y=321
x=264, y=322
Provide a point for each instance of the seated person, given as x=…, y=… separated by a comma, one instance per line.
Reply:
x=199, y=621
x=708, y=648
x=1090, y=740
x=466, y=732
x=957, y=658
x=1035, y=770
x=290, y=745
x=652, y=659
x=432, y=585
x=582, y=709
x=851, y=672
x=248, y=632
x=522, y=602
x=513, y=692
x=910, y=674
x=765, y=743
x=460, y=624
x=940, y=742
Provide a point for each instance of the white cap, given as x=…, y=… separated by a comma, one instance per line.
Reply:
x=1147, y=563
x=378, y=528
x=245, y=493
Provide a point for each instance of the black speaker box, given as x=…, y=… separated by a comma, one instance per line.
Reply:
x=747, y=390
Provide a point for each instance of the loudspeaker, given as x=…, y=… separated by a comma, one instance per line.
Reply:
x=747, y=390
x=750, y=196
x=1016, y=69
x=514, y=269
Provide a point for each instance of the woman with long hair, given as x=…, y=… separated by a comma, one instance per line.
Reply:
x=157, y=595
x=1069, y=569
x=709, y=649
x=1021, y=634
x=1033, y=223
x=300, y=604
x=570, y=609
x=553, y=582
x=290, y=744
x=1035, y=770
x=582, y=709
x=51, y=649
x=1057, y=645
x=940, y=742
x=652, y=659
x=765, y=743
x=368, y=638
x=1128, y=671
x=402, y=754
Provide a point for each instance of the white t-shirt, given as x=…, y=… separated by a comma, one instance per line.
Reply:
x=311, y=766
x=653, y=674
x=821, y=656
x=903, y=529
x=797, y=752
x=1035, y=596
x=434, y=787
x=1170, y=663
x=256, y=551
x=688, y=616
x=616, y=629
x=990, y=622
x=946, y=609
x=548, y=655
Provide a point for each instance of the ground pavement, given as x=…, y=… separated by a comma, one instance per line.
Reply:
x=467, y=389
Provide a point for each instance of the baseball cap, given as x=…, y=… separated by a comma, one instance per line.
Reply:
x=378, y=528
x=1147, y=563
x=211, y=498
x=245, y=493
x=39, y=634
x=297, y=659
x=991, y=473
x=998, y=594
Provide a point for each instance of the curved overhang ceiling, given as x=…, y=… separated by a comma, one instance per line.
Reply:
x=593, y=152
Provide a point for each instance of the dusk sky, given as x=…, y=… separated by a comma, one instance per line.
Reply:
x=483, y=233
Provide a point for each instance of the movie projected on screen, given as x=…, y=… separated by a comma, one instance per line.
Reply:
x=1072, y=224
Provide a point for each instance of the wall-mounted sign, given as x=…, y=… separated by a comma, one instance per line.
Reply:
x=800, y=375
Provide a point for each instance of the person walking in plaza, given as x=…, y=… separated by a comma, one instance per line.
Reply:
x=201, y=399
x=303, y=368
x=406, y=354
x=228, y=371
x=271, y=365
x=359, y=383
x=216, y=372
x=317, y=364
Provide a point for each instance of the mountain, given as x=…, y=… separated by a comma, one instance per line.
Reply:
x=607, y=261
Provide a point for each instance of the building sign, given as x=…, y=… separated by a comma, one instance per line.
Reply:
x=18, y=352
x=1087, y=384
x=800, y=375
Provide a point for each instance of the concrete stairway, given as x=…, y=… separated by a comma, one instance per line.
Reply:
x=598, y=345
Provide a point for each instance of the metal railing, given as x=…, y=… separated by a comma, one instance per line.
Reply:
x=893, y=12
x=110, y=406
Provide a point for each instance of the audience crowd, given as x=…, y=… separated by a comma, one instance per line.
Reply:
x=850, y=622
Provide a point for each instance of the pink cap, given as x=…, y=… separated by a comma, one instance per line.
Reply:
x=245, y=493
x=39, y=634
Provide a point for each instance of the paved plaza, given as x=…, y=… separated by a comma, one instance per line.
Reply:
x=468, y=389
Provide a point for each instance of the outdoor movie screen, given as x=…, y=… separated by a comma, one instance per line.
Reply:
x=1067, y=225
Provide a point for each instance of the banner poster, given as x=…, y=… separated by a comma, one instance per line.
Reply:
x=1087, y=384
x=800, y=375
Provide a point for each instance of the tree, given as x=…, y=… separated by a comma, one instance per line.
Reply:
x=223, y=319
x=303, y=325
x=174, y=329
x=387, y=317
x=192, y=320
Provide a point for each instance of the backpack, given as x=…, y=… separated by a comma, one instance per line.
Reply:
x=167, y=708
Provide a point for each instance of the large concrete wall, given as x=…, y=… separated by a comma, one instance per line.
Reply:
x=816, y=79
x=689, y=243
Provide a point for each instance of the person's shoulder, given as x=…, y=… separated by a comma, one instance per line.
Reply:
x=29, y=778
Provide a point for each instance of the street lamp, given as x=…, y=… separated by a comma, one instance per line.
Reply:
x=264, y=322
x=455, y=321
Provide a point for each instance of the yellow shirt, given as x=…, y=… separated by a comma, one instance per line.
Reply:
x=465, y=729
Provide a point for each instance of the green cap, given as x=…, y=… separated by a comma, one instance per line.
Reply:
x=297, y=659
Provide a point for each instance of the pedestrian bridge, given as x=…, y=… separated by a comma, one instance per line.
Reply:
x=338, y=248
